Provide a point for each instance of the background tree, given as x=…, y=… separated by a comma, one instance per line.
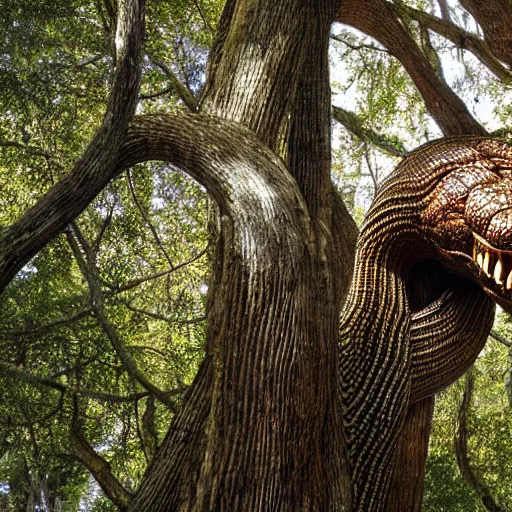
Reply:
x=104, y=329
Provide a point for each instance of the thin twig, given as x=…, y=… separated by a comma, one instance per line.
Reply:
x=359, y=46
x=501, y=339
x=203, y=17
x=182, y=90
x=148, y=221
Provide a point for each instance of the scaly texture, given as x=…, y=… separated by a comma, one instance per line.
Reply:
x=439, y=204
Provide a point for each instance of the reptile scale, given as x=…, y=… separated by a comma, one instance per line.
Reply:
x=446, y=208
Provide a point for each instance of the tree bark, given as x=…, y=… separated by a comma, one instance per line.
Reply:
x=409, y=474
x=495, y=18
x=245, y=464
x=378, y=19
x=270, y=327
x=261, y=425
x=66, y=200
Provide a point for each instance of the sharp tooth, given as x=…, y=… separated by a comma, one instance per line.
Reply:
x=497, y=272
x=479, y=259
x=474, y=251
x=509, y=282
x=485, y=267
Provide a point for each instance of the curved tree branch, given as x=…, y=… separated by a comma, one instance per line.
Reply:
x=354, y=125
x=462, y=39
x=68, y=198
x=461, y=448
x=265, y=223
x=97, y=465
x=378, y=19
x=495, y=18
x=87, y=266
x=182, y=90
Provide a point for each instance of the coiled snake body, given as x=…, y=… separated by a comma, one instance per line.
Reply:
x=445, y=212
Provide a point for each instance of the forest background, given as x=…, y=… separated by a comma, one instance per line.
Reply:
x=79, y=393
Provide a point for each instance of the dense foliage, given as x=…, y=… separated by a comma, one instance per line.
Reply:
x=73, y=385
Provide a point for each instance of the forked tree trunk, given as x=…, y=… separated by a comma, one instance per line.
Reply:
x=261, y=426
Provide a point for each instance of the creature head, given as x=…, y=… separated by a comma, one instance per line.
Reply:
x=468, y=216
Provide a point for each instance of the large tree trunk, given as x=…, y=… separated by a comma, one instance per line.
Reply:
x=407, y=484
x=261, y=426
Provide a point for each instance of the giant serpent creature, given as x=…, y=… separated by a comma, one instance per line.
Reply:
x=446, y=210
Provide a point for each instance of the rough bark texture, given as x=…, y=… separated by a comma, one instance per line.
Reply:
x=285, y=468
x=495, y=18
x=379, y=19
x=309, y=161
x=407, y=483
x=261, y=427
x=254, y=68
x=269, y=326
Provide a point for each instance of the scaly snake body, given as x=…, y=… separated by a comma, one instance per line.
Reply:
x=448, y=202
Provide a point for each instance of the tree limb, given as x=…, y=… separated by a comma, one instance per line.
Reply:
x=495, y=18
x=163, y=318
x=148, y=221
x=498, y=337
x=461, y=447
x=82, y=313
x=29, y=149
x=114, y=290
x=353, y=123
x=97, y=465
x=183, y=92
x=69, y=197
x=378, y=19
x=462, y=39
x=88, y=267
x=372, y=47
x=445, y=11
x=13, y=372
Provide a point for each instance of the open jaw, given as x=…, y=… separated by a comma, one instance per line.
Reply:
x=495, y=267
